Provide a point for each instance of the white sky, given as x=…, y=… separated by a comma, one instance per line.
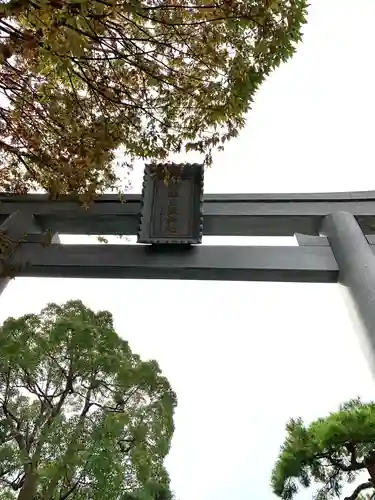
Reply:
x=243, y=357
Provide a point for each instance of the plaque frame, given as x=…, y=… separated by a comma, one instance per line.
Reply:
x=156, y=192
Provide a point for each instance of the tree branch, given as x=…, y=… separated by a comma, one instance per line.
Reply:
x=342, y=466
x=70, y=491
x=353, y=456
x=357, y=491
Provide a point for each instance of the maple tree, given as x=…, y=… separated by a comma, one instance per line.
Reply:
x=82, y=78
x=81, y=416
x=330, y=453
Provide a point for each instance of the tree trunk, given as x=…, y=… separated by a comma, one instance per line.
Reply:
x=370, y=466
x=28, y=490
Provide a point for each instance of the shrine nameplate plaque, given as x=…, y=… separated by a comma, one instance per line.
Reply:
x=172, y=199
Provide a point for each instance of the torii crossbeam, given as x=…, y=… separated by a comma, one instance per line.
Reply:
x=335, y=234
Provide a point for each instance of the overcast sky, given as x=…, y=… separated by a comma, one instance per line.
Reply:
x=243, y=357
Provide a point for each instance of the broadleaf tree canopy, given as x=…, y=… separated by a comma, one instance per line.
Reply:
x=81, y=416
x=82, y=78
x=329, y=454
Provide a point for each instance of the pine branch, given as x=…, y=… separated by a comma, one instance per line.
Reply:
x=359, y=489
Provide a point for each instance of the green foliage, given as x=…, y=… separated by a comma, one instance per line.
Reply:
x=81, y=416
x=331, y=452
x=83, y=77
x=152, y=491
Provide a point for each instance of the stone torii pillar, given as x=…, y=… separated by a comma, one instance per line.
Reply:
x=356, y=262
x=19, y=224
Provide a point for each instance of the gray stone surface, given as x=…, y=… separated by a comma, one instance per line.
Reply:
x=227, y=263
x=14, y=227
x=356, y=262
x=21, y=225
x=224, y=214
x=171, y=213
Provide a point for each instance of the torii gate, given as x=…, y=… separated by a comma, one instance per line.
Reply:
x=335, y=234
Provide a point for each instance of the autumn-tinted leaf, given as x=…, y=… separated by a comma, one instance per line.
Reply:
x=81, y=78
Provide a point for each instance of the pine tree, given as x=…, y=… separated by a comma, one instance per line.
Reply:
x=330, y=452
